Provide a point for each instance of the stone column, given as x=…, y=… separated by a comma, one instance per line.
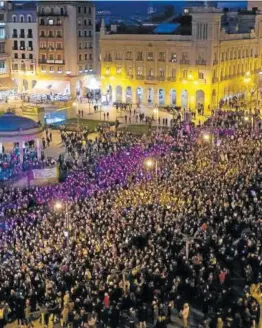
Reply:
x=38, y=148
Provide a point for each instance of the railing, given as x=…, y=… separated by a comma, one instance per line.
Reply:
x=150, y=77
x=51, y=61
x=150, y=59
x=171, y=78
x=201, y=62
x=140, y=77
x=184, y=61
x=161, y=59
x=161, y=78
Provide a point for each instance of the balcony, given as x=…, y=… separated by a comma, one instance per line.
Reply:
x=140, y=77
x=161, y=59
x=215, y=62
x=15, y=48
x=30, y=48
x=184, y=62
x=14, y=36
x=30, y=36
x=51, y=61
x=108, y=60
x=161, y=78
x=171, y=79
x=21, y=36
x=173, y=60
x=49, y=14
x=139, y=59
x=130, y=77
x=150, y=77
x=201, y=62
x=22, y=48
x=150, y=59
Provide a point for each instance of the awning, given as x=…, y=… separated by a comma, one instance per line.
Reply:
x=51, y=87
x=6, y=83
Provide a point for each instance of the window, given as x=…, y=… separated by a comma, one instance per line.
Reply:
x=51, y=69
x=59, y=69
x=80, y=57
x=173, y=73
x=22, y=33
x=59, y=57
x=30, y=56
x=89, y=22
x=139, y=71
x=30, y=45
x=108, y=70
x=85, y=22
x=89, y=10
x=184, y=74
x=90, y=57
x=84, y=10
x=173, y=57
x=129, y=55
x=2, y=65
x=79, y=22
x=118, y=70
x=59, y=45
x=51, y=57
x=51, y=45
x=42, y=45
x=85, y=56
x=150, y=72
x=22, y=67
x=201, y=75
x=150, y=56
x=29, y=18
x=79, y=10
x=80, y=33
x=184, y=56
x=59, y=34
x=30, y=34
x=14, y=33
x=22, y=18
x=22, y=45
x=50, y=22
x=43, y=57
x=42, y=21
x=118, y=55
x=90, y=33
x=161, y=72
x=85, y=33
x=31, y=67
x=58, y=22
x=23, y=56
x=15, y=67
x=50, y=34
x=14, y=19
x=139, y=55
x=162, y=56
x=129, y=70
x=16, y=55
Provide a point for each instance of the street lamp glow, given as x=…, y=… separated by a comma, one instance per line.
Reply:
x=155, y=110
x=206, y=137
x=246, y=118
x=74, y=103
x=149, y=163
x=58, y=206
x=247, y=79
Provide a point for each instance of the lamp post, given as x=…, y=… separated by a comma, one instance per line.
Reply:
x=59, y=207
x=150, y=163
x=76, y=104
x=156, y=111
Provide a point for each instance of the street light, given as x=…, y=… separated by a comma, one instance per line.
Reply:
x=58, y=207
x=156, y=111
x=150, y=163
x=76, y=104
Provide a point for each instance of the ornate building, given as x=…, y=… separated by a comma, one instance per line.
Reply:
x=206, y=56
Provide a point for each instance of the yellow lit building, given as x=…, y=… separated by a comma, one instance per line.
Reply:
x=217, y=55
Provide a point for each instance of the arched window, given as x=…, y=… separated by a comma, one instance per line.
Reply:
x=62, y=11
x=22, y=19
x=14, y=19
x=29, y=19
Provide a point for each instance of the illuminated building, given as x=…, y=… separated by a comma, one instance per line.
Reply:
x=188, y=65
x=22, y=43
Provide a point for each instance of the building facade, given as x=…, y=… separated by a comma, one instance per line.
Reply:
x=4, y=56
x=66, y=38
x=188, y=70
x=22, y=44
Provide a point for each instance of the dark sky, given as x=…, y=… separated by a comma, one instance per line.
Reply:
x=127, y=8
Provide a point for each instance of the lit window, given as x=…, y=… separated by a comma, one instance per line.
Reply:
x=108, y=70
x=118, y=70
x=50, y=22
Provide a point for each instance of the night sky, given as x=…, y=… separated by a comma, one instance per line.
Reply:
x=127, y=8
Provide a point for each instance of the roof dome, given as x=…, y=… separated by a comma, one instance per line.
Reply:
x=11, y=122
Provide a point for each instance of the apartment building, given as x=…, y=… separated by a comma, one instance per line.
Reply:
x=196, y=62
x=66, y=38
x=22, y=43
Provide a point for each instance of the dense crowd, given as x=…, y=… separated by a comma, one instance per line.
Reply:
x=138, y=243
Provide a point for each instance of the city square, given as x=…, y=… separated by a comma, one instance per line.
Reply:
x=130, y=164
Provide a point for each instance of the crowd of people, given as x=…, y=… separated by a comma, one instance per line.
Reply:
x=135, y=243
